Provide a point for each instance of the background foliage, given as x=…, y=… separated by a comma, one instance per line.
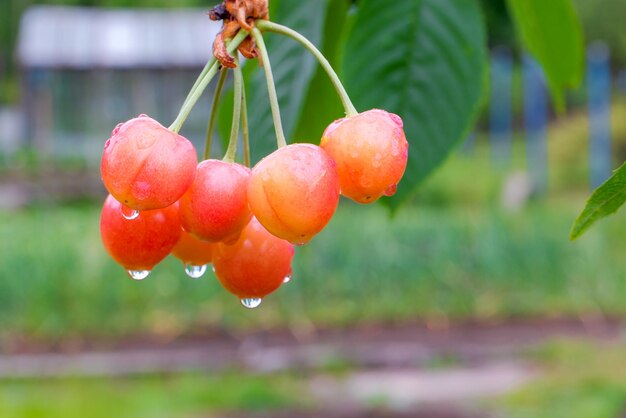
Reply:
x=604, y=20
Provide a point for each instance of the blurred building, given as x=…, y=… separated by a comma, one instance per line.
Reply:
x=86, y=69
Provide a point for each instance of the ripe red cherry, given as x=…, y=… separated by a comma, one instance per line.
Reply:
x=147, y=166
x=255, y=265
x=215, y=208
x=139, y=244
x=371, y=152
x=294, y=192
x=193, y=251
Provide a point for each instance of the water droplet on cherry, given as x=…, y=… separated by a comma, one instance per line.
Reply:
x=115, y=130
x=129, y=213
x=288, y=278
x=396, y=119
x=391, y=190
x=138, y=274
x=251, y=303
x=195, y=272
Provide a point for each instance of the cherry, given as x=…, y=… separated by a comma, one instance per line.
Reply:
x=371, y=152
x=193, y=251
x=294, y=192
x=147, y=166
x=139, y=244
x=255, y=265
x=215, y=208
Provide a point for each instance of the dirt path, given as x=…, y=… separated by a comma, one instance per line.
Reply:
x=411, y=369
x=375, y=347
x=431, y=411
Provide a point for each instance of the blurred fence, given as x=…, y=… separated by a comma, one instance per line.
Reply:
x=84, y=70
x=536, y=112
x=70, y=113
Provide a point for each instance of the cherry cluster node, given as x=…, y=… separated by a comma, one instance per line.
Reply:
x=244, y=221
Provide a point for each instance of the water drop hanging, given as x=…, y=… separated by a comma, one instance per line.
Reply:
x=195, y=272
x=138, y=274
x=251, y=303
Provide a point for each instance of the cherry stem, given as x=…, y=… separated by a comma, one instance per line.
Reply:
x=202, y=74
x=203, y=81
x=234, y=128
x=266, y=25
x=214, y=107
x=244, y=126
x=271, y=87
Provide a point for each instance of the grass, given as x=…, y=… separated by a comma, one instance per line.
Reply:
x=179, y=395
x=582, y=380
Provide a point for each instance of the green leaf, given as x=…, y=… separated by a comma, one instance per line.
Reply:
x=424, y=60
x=293, y=68
x=604, y=201
x=551, y=32
x=322, y=105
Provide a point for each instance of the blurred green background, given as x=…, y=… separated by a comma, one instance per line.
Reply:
x=457, y=254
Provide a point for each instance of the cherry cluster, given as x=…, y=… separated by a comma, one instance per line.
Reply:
x=244, y=221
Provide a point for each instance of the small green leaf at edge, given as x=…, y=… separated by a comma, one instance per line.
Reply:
x=604, y=201
x=425, y=60
x=551, y=32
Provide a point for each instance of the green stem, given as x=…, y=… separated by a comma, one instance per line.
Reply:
x=192, y=98
x=216, y=99
x=266, y=25
x=271, y=88
x=244, y=127
x=234, y=128
x=202, y=74
x=203, y=81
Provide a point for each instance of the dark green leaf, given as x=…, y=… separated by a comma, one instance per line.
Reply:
x=551, y=32
x=322, y=105
x=424, y=60
x=604, y=201
x=293, y=68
